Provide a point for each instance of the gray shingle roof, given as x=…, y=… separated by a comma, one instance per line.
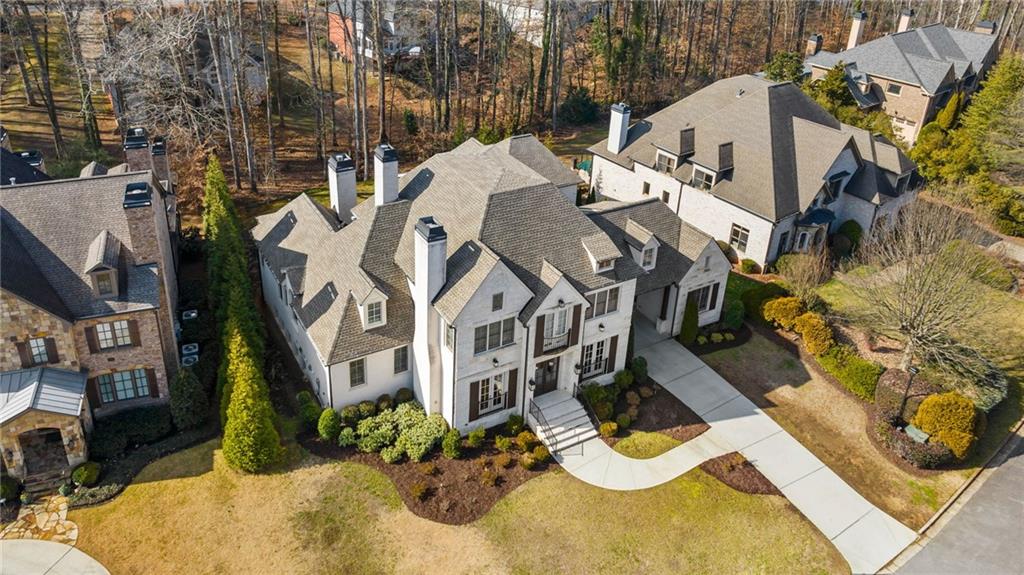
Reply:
x=43, y=388
x=104, y=252
x=528, y=150
x=56, y=223
x=467, y=270
x=12, y=166
x=930, y=56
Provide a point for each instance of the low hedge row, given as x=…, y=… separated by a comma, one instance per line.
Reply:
x=117, y=432
x=855, y=373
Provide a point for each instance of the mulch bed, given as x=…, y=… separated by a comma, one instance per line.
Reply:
x=742, y=336
x=456, y=495
x=9, y=511
x=735, y=471
x=661, y=413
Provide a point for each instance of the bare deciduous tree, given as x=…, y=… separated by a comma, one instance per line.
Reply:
x=804, y=273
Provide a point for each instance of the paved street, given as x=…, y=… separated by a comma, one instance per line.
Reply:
x=987, y=534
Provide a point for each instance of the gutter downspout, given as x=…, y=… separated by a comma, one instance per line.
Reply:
x=455, y=347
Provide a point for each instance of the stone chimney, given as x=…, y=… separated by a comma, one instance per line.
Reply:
x=385, y=175
x=857, y=29
x=161, y=163
x=813, y=45
x=905, y=17
x=431, y=261
x=985, y=27
x=618, y=127
x=139, y=208
x=136, y=150
x=341, y=179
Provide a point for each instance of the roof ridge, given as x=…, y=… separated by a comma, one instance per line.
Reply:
x=619, y=205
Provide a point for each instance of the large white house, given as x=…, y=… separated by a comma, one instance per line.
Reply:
x=474, y=280
x=754, y=163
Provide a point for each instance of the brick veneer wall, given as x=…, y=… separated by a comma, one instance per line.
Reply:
x=20, y=320
x=71, y=434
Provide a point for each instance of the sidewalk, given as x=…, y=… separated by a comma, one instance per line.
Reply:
x=36, y=557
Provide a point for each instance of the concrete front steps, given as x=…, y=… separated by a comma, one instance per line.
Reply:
x=564, y=422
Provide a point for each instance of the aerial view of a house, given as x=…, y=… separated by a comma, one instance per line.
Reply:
x=511, y=286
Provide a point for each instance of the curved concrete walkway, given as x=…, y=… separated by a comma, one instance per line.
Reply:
x=36, y=557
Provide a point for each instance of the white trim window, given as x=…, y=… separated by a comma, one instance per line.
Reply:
x=498, y=301
x=648, y=258
x=374, y=313
x=357, y=372
x=114, y=334
x=665, y=163
x=738, y=237
x=556, y=329
x=603, y=302
x=402, y=359
x=702, y=179
x=707, y=297
x=594, y=358
x=104, y=283
x=492, y=393
x=494, y=335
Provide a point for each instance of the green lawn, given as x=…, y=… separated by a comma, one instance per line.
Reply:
x=737, y=285
x=318, y=516
x=645, y=444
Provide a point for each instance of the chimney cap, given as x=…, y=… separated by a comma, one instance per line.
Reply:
x=33, y=158
x=137, y=195
x=430, y=229
x=340, y=162
x=159, y=146
x=386, y=153
x=136, y=138
x=860, y=15
x=986, y=24
x=907, y=12
x=621, y=107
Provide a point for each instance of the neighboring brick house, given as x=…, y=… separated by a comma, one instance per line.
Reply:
x=88, y=297
x=911, y=74
x=406, y=23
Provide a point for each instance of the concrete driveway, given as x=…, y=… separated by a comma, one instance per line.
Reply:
x=36, y=557
x=866, y=536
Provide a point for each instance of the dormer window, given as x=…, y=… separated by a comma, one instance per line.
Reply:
x=648, y=258
x=375, y=313
x=702, y=179
x=665, y=163
x=605, y=265
x=104, y=283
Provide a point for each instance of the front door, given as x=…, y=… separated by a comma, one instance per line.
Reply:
x=546, y=377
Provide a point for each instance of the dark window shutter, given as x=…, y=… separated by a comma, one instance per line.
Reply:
x=92, y=391
x=133, y=331
x=538, y=348
x=513, y=376
x=154, y=389
x=26, y=357
x=51, y=351
x=664, y=302
x=713, y=303
x=90, y=338
x=474, y=400
x=612, y=348
x=574, y=337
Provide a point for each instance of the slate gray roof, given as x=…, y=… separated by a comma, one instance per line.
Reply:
x=492, y=207
x=55, y=224
x=783, y=143
x=12, y=166
x=104, y=252
x=528, y=150
x=681, y=243
x=43, y=388
x=930, y=56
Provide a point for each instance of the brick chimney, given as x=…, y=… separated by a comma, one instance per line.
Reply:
x=136, y=150
x=857, y=29
x=813, y=45
x=161, y=163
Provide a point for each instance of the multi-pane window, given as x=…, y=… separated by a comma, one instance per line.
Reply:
x=116, y=334
x=648, y=259
x=104, y=284
x=594, y=358
x=122, y=335
x=492, y=393
x=38, y=348
x=605, y=264
x=556, y=329
x=702, y=179
x=402, y=359
x=497, y=301
x=374, y=313
x=357, y=372
x=893, y=89
x=602, y=302
x=665, y=163
x=494, y=335
x=706, y=297
x=123, y=385
x=738, y=237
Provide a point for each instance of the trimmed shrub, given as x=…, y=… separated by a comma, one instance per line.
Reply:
x=958, y=442
x=728, y=336
x=527, y=461
x=688, y=331
x=646, y=391
x=347, y=437
x=451, y=445
x=639, y=369
x=384, y=402
x=502, y=443
x=852, y=231
x=623, y=421
x=9, y=487
x=730, y=253
x=603, y=410
x=717, y=337
x=391, y=454
x=66, y=489
x=783, y=311
x=541, y=453
x=633, y=412
x=702, y=340
x=749, y=266
x=854, y=372
x=489, y=477
x=816, y=333
x=922, y=455
x=753, y=299
x=476, y=437
x=350, y=415
x=950, y=419
x=420, y=439
x=403, y=395
x=87, y=474
x=526, y=440
x=733, y=314
x=107, y=443
x=632, y=398
x=428, y=468
x=132, y=427
x=623, y=379
x=329, y=425
x=842, y=246
x=609, y=429
x=419, y=490
x=367, y=409
x=502, y=460
x=189, y=404
x=515, y=424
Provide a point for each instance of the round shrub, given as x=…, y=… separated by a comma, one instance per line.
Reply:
x=9, y=487
x=527, y=461
x=950, y=419
x=309, y=413
x=392, y=454
x=623, y=421
x=702, y=340
x=66, y=489
x=749, y=266
x=733, y=314
x=26, y=498
x=603, y=410
x=384, y=402
x=623, y=379
x=753, y=299
x=515, y=424
x=502, y=460
x=852, y=231
x=958, y=442
x=476, y=437
x=632, y=398
x=350, y=415
x=403, y=395
x=526, y=440
x=367, y=409
x=609, y=429
x=488, y=477
x=329, y=425
x=87, y=474
x=717, y=337
x=646, y=391
x=816, y=333
x=783, y=311
x=451, y=445
x=728, y=336
x=347, y=437
x=842, y=246
x=502, y=443
x=633, y=412
x=419, y=490
x=639, y=369
x=541, y=453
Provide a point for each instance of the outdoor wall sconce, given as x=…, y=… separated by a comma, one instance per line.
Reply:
x=576, y=368
x=600, y=327
x=531, y=384
x=561, y=303
x=494, y=362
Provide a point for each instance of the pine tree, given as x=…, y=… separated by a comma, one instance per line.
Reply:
x=948, y=115
x=251, y=442
x=189, y=405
